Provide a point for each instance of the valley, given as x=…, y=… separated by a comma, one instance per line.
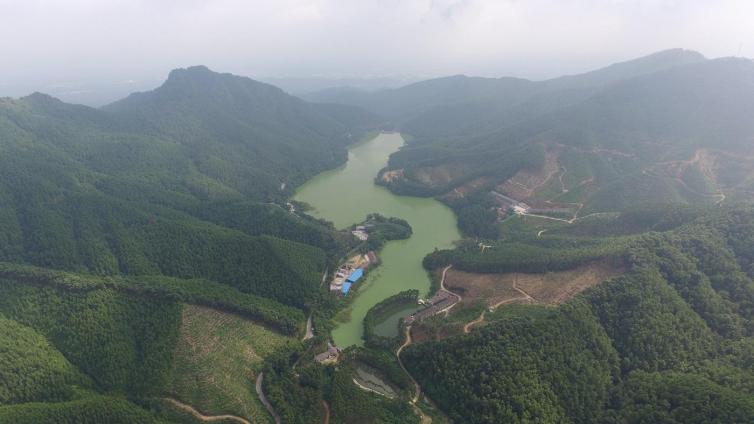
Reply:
x=346, y=195
x=460, y=249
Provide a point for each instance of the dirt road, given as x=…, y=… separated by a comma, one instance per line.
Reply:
x=263, y=399
x=201, y=417
x=524, y=297
x=468, y=325
x=309, y=332
x=442, y=288
x=417, y=388
x=327, y=412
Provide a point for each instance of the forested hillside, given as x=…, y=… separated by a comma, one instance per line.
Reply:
x=71, y=355
x=456, y=104
x=78, y=348
x=247, y=135
x=669, y=127
x=170, y=196
x=164, y=182
x=133, y=233
x=669, y=341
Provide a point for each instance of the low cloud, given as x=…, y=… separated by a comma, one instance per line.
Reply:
x=143, y=39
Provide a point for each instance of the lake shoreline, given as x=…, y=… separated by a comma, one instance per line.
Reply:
x=347, y=194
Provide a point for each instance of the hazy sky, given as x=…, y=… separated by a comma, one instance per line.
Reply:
x=132, y=42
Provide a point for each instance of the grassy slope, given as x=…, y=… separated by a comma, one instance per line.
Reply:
x=217, y=358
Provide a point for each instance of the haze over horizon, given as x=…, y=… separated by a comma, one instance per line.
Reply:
x=120, y=47
x=376, y=211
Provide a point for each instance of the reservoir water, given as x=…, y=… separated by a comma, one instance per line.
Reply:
x=346, y=195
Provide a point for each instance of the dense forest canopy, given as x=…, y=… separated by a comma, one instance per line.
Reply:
x=170, y=182
x=169, y=196
x=669, y=341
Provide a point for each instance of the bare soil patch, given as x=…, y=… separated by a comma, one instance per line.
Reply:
x=390, y=176
x=464, y=189
x=554, y=288
x=525, y=183
x=493, y=288
x=439, y=175
x=550, y=288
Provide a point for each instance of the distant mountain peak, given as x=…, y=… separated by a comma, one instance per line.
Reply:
x=191, y=73
x=662, y=59
x=644, y=65
x=198, y=68
x=201, y=77
x=678, y=52
x=38, y=97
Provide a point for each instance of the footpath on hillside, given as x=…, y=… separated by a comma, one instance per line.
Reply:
x=264, y=400
x=207, y=418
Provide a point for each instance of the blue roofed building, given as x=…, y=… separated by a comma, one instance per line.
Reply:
x=345, y=288
x=355, y=276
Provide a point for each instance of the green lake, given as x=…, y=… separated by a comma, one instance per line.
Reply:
x=346, y=195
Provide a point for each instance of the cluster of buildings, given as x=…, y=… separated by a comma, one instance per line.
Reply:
x=441, y=300
x=330, y=355
x=507, y=205
x=351, y=272
x=360, y=233
x=549, y=210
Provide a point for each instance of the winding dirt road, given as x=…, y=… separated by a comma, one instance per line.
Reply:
x=264, y=400
x=524, y=297
x=417, y=388
x=201, y=417
x=468, y=325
